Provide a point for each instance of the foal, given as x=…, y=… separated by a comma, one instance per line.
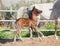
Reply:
x=29, y=22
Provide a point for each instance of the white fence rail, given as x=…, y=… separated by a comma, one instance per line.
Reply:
x=7, y=20
x=8, y=10
x=48, y=20
x=40, y=20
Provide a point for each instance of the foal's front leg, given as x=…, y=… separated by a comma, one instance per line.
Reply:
x=30, y=30
x=38, y=32
x=15, y=34
x=56, y=25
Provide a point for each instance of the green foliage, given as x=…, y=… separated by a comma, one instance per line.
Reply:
x=58, y=33
x=4, y=28
x=6, y=35
x=2, y=35
x=8, y=15
x=58, y=25
x=10, y=35
x=25, y=34
x=50, y=25
x=46, y=33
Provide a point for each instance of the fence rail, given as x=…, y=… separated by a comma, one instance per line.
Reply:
x=7, y=20
x=27, y=30
x=40, y=20
x=8, y=10
x=48, y=20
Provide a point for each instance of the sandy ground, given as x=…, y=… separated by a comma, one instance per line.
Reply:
x=47, y=41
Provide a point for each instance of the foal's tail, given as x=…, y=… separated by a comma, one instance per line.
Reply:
x=16, y=22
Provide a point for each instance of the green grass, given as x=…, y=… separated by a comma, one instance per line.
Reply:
x=10, y=35
x=4, y=28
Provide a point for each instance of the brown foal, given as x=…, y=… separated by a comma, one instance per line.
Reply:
x=29, y=22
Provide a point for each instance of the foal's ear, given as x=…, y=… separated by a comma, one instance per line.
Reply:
x=33, y=8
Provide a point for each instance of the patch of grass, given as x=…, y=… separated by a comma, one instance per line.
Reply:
x=25, y=34
x=6, y=35
x=49, y=25
x=4, y=28
x=10, y=35
x=58, y=33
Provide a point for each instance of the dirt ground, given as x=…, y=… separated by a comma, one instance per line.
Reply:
x=47, y=41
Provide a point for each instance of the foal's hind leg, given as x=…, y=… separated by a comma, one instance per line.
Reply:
x=17, y=32
x=15, y=36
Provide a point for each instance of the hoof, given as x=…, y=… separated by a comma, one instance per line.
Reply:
x=43, y=37
x=20, y=39
x=14, y=40
x=40, y=38
x=31, y=38
x=56, y=37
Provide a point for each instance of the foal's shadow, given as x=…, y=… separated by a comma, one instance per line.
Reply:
x=7, y=40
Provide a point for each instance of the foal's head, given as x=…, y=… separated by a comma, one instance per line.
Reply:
x=36, y=11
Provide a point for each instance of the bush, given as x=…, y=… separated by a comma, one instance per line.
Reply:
x=10, y=35
x=6, y=35
x=50, y=25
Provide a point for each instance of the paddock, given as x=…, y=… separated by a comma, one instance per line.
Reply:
x=47, y=41
x=7, y=29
